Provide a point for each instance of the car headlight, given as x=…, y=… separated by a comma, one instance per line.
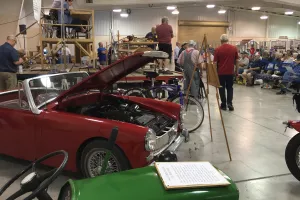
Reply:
x=150, y=140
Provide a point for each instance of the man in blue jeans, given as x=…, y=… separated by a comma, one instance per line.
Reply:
x=226, y=56
x=102, y=54
x=9, y=61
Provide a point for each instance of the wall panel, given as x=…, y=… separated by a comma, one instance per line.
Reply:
x=201, y=14
x=102, y=23
x=282, y=26
x=140, y=22
x=248, y=25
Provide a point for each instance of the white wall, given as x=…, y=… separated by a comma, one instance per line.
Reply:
x=283, y=26
x=9, y=12
x=201, y=14
x=244, y=24
x=248, y=25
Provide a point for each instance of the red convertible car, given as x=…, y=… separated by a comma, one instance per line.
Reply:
x=72, y=111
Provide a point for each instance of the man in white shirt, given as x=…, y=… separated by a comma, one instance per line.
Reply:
x=176, y=52
x=243, y=62
x=189, y=59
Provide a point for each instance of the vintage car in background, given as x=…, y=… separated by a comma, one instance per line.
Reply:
x=71, y=111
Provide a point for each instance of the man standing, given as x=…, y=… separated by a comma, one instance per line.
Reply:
x=102, y=54
x=226, y=56
x=176, y=53
x=164, y=36
x=189, y=59
x=152, y=37
x=9, y=61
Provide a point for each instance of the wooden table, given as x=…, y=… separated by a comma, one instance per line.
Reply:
x=133, y=77
x=83, y=15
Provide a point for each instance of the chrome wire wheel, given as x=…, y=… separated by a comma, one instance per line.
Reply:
x=95, y=163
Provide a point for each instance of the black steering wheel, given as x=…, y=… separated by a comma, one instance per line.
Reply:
x=35, y=182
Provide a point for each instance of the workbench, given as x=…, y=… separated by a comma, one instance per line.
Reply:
x=133, y=77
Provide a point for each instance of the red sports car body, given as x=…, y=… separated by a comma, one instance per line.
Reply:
x=73, y=112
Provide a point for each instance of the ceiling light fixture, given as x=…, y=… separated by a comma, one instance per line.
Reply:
x=299, y=22
x=255, y=8
x=289, y=13
x=124, y=14
x=117, y=10
x=222, y=11
x=175, y=12
x=264, y=17
x=171, y=7
x=210, y=6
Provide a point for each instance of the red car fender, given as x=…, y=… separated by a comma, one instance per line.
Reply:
x=295, y=124
x=67, y=131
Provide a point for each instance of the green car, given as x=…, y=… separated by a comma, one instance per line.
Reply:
x=136, y=184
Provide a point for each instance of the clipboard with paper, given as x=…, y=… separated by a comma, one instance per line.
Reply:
x=178, y=175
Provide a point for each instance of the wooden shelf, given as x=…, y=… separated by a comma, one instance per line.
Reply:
x=68, y=41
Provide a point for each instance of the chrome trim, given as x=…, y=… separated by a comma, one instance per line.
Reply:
x=167, y=138
x=155, y=54
x=9, y=91
x=173, y=146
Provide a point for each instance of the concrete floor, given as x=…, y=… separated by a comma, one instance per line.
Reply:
x=257, y=142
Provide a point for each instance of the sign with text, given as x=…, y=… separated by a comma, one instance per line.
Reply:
x=176, y=175
x=37, y=6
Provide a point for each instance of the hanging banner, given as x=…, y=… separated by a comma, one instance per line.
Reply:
x=37, y=6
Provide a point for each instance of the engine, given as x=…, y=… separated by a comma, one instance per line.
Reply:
x=129, y=112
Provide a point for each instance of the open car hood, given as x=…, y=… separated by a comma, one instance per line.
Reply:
x=111, y=74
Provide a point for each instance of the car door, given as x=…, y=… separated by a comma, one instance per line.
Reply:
x=17, y=131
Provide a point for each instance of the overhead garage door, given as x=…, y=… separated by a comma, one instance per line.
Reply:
x=193, y=30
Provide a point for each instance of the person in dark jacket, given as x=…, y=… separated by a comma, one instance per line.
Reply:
x=9, y=61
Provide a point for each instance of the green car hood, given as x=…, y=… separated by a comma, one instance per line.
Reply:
x=143, y=184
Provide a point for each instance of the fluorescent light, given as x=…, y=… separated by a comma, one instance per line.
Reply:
x=264, y=17
x=175, y=12
x=124, y=14
x=255, y=8
x=289, y=13
x=117, y=10
x=299, y=22
x=210, y=6
x=222, y=11
x=171, y=7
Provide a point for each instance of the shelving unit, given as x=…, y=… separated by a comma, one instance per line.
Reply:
x=84, y=46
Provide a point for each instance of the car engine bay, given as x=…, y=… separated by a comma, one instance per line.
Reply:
x=124, y=110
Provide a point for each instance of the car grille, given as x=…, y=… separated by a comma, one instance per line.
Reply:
x=161, y=124
x=168, y=136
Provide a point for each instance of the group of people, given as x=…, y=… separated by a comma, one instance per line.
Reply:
x=188, y=58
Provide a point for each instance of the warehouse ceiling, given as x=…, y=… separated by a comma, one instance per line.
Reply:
x=279, y=6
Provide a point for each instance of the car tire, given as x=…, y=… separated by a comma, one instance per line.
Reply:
x=291, y=151
x=117, y=160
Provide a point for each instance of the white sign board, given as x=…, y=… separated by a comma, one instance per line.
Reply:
x=37, y=6
x=176, y=175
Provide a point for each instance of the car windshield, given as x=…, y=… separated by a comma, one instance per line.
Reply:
x=46, y=88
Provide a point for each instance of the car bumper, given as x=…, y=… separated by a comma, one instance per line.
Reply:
x=183, y=137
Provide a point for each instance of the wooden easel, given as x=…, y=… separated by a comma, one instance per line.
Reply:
x=212, y=80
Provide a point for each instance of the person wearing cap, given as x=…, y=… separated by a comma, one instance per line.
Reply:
x=243, y=62
x=189, y=59
x=254, y=68
x=226, y=57
x=9, y=61
x=184, y=46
